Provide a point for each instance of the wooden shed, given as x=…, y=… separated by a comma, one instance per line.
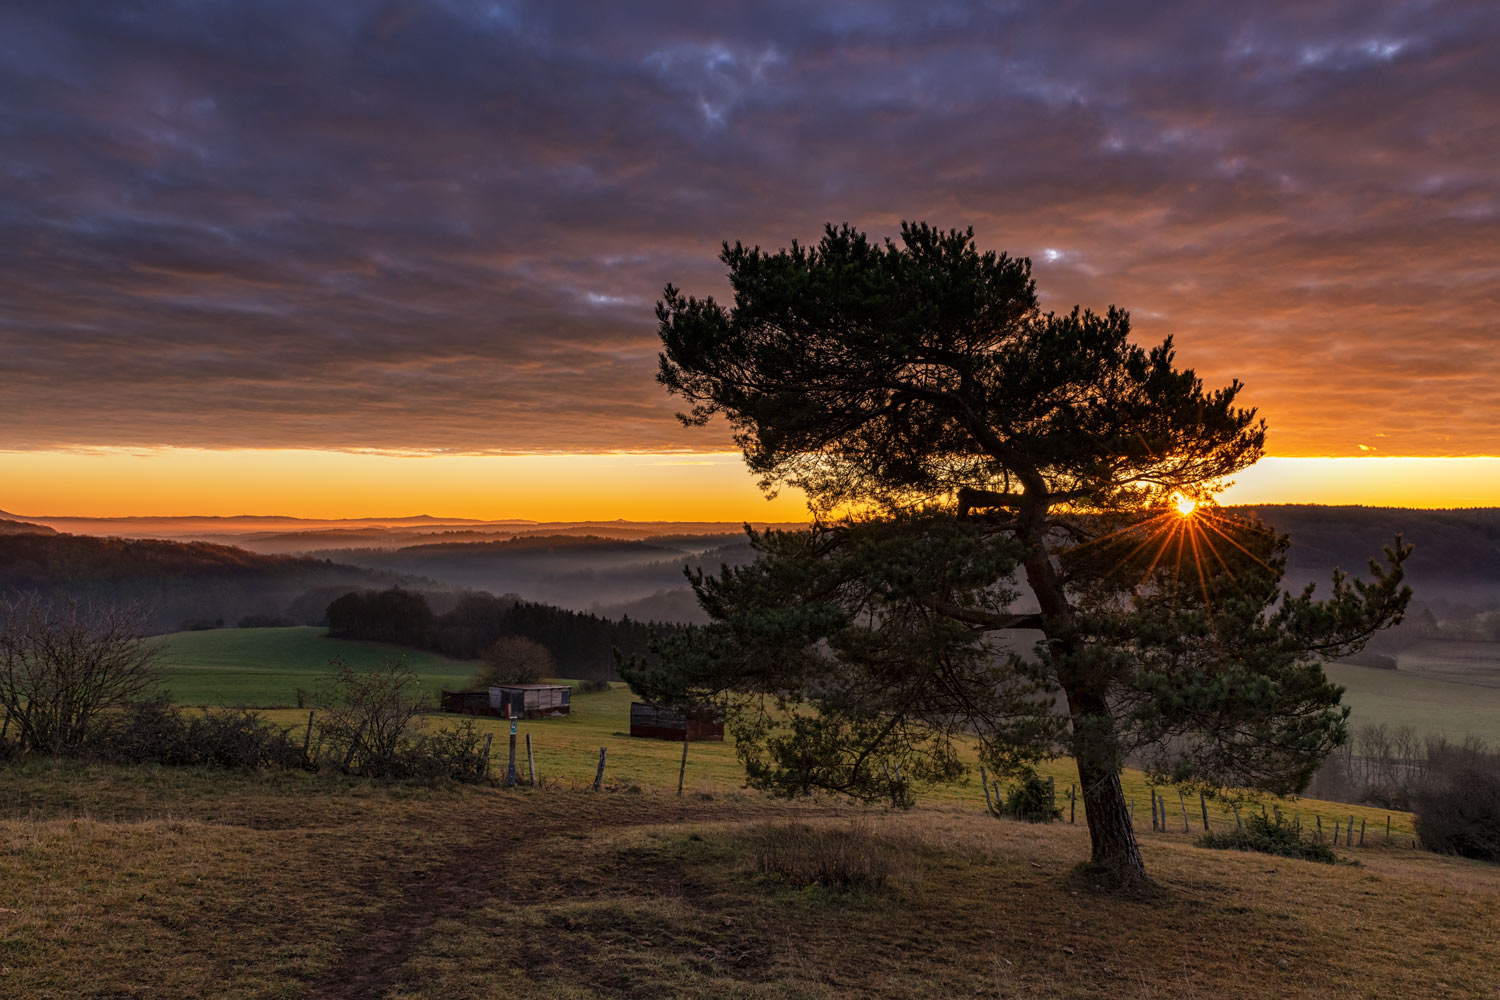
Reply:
x=514, y=701
x=467, y=702
x=660, y=723
x=511, y=701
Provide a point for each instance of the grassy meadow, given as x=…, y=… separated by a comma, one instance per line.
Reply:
x=176, y=883
x=566, y=748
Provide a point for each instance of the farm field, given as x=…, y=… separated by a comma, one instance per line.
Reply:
x=1427, y=704
x=1454, y=660
x=566, y=748
x=174, y=883
x=264, y=667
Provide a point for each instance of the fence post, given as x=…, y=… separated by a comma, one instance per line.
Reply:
x=306, y=740
x=530, y=761
x=1203, y=804
x=1237, y=824
x=682, y=771
x=1153, y=809
x=1349, y=832
x=1388, y=828
x=1183, y=802
x=1319, y=818
x=999, y=799
x=510, y=765
x=1277, y=810
x=599, y=775
x=1052, y=795
x=1072, y=801
x=1336, y=833
x=1361, y=833
x=984, y=782
x=484, y=760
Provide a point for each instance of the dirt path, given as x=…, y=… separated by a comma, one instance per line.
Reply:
x=371, y=964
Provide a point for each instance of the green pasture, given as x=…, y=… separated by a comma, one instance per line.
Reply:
x=1428, y=705
x=264, y=667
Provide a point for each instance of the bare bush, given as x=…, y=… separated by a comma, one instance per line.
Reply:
x=1458, y=808
x=514, y=660
x=65, y=663
x=368, y=717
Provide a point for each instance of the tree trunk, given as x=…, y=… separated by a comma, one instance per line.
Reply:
x=1116, y=855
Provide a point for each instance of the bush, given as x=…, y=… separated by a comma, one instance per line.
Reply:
x=369, y=723
x=1031, y=800
x=156, y=732
x=591, y=687
x=65, y=665
x=1458, y=812
x=367, y=717
x=514, y=660
x=1270, y=836
x=826, y=857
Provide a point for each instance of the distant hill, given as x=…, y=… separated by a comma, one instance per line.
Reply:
x=9, y=527
x=181, y=582
x=1457, y=552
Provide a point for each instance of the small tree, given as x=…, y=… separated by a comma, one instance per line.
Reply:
x=369, y=717
x=985, y=447
x=64, y=663
x=514, y=660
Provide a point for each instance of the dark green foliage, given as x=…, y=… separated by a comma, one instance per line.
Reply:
x=156, y=732
x=1031, y=800
x=397, y=616
x=1276, y=836
x=581, y=645
x=1458, y=807
x=988, y=443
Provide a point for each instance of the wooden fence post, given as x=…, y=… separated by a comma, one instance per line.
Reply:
x=1319, y=818
x=510, y=765
x=306, y=740
x=1154, y=826
x=1349, y=832
x=1072, y=801
x=1361, y=833
x=530, y=761
x=999, y=799
x=1237, y=824
x=1277, y=810
x=599, y=775
x=484, y=758
x=1388, y=828
x=682, y=771
x=1203, y=804
x=1183, y=802
x=984, y=782
x=1336, y=833
x=1052, y=796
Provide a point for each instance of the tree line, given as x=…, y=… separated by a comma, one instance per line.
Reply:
x=583, y=645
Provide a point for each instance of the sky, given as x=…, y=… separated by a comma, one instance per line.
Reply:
x=390, y=258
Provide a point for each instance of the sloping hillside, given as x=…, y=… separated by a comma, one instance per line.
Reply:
x=179, y=581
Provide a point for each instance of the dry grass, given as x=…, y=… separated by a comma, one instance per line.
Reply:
x=150, y=883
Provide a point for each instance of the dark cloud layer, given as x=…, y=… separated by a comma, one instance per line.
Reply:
x=442, y=226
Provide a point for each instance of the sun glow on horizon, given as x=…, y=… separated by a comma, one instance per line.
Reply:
x=697, y=486
x=1185, y=505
